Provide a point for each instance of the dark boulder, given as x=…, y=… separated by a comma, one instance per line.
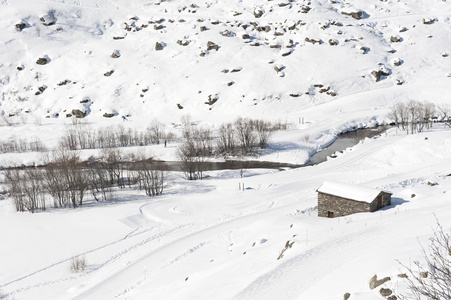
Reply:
x=159, y=46
x=21, y=26
x=356, y=15
x=42, y=61
x=212, y=46
x=78, y=113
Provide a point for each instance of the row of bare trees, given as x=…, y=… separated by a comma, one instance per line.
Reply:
x=22, y=145
x=65, y=181
x=243, y=137
x=82, y=136
x=415, y=116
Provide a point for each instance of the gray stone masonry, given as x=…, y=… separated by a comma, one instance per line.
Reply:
x=343, y=207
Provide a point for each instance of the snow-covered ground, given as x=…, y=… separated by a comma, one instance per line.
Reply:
x=207, y=239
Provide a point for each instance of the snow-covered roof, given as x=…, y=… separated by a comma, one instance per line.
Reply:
x=349, y=191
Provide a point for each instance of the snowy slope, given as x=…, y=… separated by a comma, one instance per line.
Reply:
x=79, y=47
x=206, y=239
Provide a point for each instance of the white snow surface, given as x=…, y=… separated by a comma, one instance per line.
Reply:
x=208, y=239
x=349, y=191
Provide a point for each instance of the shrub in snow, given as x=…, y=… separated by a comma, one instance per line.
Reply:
x=78, y=264
x=431, y=279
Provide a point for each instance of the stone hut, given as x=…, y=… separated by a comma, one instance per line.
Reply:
x=336, y=199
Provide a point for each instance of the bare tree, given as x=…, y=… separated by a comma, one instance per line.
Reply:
x=246, y=135
x=264, y=132
x=156, y=132
x=151, y=177
x=114, y=163
x=226, y=141
x=432, y=279
x=190, y=160
x=413, y=116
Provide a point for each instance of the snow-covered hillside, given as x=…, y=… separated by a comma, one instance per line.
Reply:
x=262, y=66
x=322, y=67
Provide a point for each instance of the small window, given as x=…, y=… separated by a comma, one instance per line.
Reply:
x=330, y=214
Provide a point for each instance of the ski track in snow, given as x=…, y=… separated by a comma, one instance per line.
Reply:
x=109, y=261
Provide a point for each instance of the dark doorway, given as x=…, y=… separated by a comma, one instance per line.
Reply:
x=330, y=214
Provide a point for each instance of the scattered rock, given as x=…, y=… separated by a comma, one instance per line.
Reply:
x=230, y=83
x=179, y=106
x=227, y=33
x=212, y=46
x=21, y=26
x=385, y=292
x=118, y=37
x=42, y=61
x=402, y=275
x=20, y=68
x=313, y=41
x=424, y=274
x=346, y=296
x=295, y=95
x=78, y=113
x=356, y=15
x=212, y=99
x=333, y=42
x=279, y=68
x=258, y=12
x=365, y=49
x=203, y=28
x=305, y=9
x=236, y=70
x=374, y=283
x=109, y=73
x=397, y=62
x=225, y=71
x=287, y=53
x=323, y=90
x=395, y=39
x=63, y=82
x=378, y=74
x=159, y=46
x=116, y=54
x=158, y=27
x=108, y=115
x=403, y=29
x=428, y=21
x=246, y=36
x=445, y=54
x=399, y=82
x=49, y=19
x=183, y=42
x=392, y=297
x=412, y=196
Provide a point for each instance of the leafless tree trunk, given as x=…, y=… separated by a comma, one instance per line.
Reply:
x=264, y=132
x=246, y=134
x=226, y=140
x=151, y=177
